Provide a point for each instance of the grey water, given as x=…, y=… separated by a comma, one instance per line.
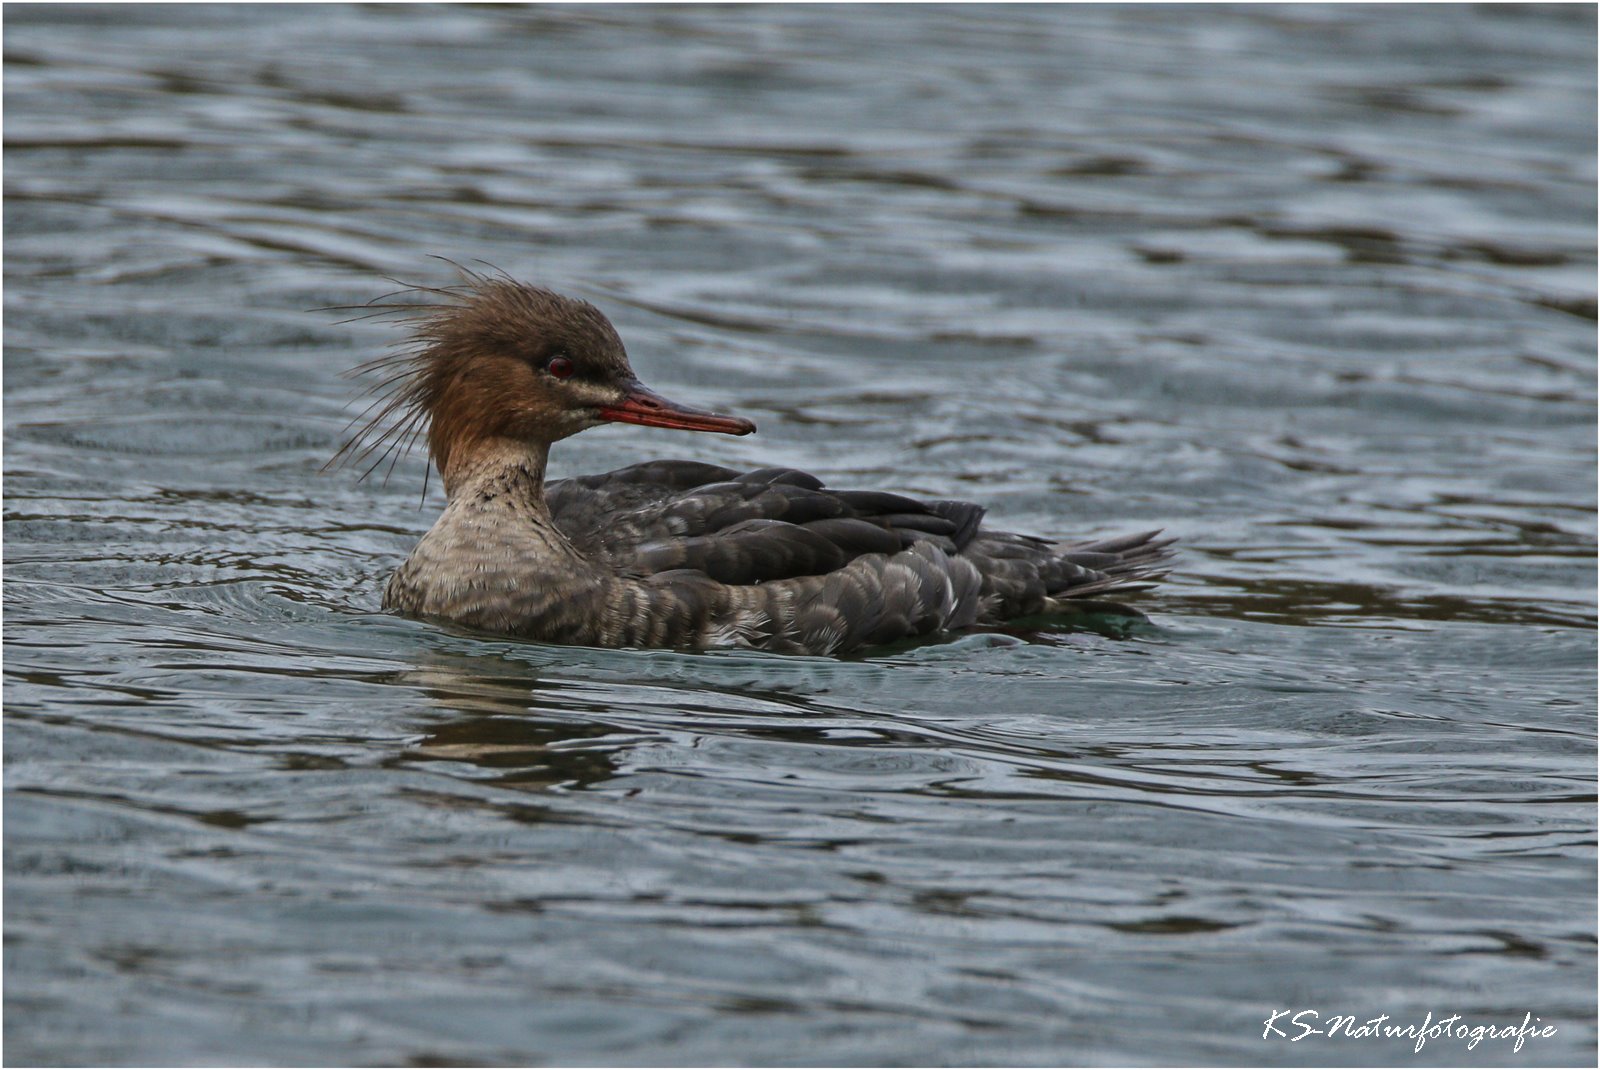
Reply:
x=1311, y=287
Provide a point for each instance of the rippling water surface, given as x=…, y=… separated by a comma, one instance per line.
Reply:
x=1312, y=288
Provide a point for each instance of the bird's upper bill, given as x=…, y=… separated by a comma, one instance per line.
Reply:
x=641, y=405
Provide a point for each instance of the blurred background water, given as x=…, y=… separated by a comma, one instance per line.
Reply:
x=1311, y=287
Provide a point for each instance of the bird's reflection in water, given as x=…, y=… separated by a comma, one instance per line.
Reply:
x=511, y=728
x=507, y=723
x=1110, y=619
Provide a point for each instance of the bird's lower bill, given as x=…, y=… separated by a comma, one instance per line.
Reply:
x=644, y=406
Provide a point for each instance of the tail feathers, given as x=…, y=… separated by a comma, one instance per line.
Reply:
x=1124, y=563
x=1024, y=576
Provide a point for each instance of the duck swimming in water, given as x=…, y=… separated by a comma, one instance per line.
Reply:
x=671, y=553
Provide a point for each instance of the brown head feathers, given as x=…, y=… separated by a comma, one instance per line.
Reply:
x=488, y=358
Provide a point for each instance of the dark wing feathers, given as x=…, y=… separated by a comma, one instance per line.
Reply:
x=790, y=476
x=855, y=536
x=613, y=520
x=753, y=552
x=966, y=517
x=877, y=502
x=737, y=502
x=585, y=507
x=656, y=475
x=805, y=568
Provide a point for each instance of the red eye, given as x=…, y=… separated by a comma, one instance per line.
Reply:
x=560, y=367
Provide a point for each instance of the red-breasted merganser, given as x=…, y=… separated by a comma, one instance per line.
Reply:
x=671, y=553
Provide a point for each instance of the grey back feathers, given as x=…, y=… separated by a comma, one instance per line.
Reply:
x=794, y=566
